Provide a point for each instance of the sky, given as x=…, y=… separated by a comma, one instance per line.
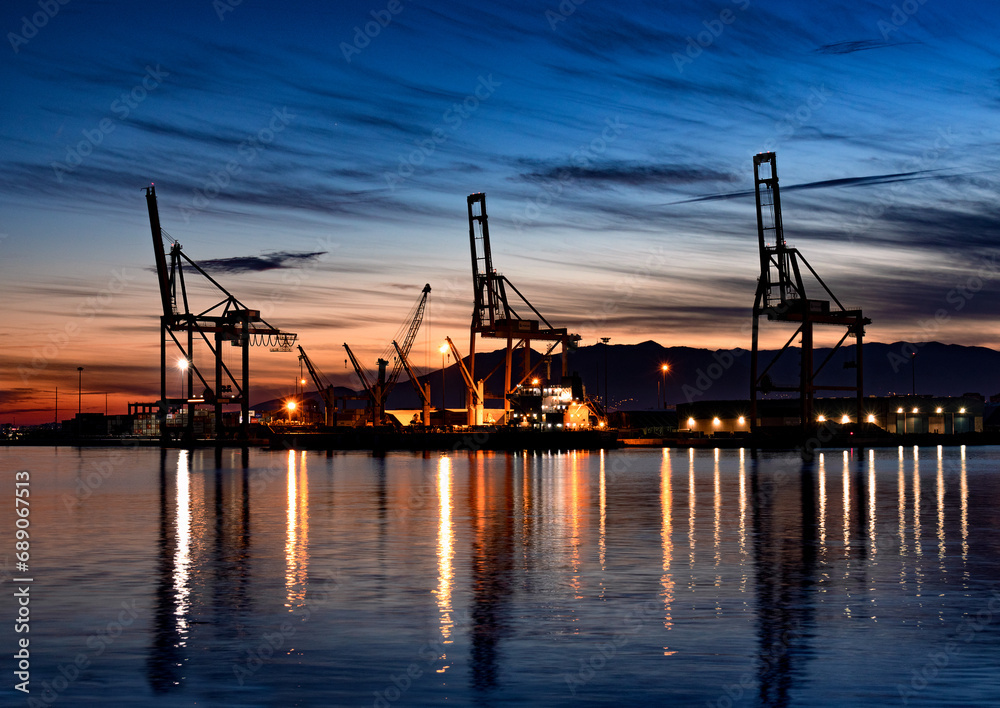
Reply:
x=318, y=159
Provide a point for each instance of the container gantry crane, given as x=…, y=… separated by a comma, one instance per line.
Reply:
x=229, y=320
x=781, y=297
x=493, y=314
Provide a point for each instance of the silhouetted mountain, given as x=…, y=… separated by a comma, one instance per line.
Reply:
x=634, y=373
x=702, y=374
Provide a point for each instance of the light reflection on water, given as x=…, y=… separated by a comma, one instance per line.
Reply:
x=549, y=579
x=182, y=558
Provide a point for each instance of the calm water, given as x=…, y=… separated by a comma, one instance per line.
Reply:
x=648, y=577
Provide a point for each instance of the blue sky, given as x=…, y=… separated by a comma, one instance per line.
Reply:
x=329, y=148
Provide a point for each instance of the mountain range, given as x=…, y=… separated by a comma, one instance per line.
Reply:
x=634, y=373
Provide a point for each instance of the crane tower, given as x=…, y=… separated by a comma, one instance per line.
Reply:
x=494, y=315
x=781, y=297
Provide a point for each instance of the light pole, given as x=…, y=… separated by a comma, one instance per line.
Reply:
x=607, y=405
x=913, y=374
x=444, y=351
x=79, y=391
x=663, y=374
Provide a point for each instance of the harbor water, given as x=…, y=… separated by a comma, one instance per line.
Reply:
x=645, y=577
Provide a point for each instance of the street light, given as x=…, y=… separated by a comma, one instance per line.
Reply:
x=79, y=391
x=291, y=409
x=663, y=370
x=444, y=351
x=182, y=364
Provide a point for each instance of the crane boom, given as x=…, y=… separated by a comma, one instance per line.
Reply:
x=359, y=370
x=159, y=254
x=424, y=398
x=411, y=335
x=326, y=391
x=312, y=371
x=476, y=391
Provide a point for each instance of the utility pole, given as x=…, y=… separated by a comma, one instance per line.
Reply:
x=606, y=403
x=79, y=391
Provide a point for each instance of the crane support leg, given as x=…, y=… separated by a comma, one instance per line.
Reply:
x=807, y=392
x=162, y=415
x=218, y=385
x=506, y=377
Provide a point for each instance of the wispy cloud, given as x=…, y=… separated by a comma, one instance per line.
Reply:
x=822, y=184
x=255, y=264
x=625, y=173
x=857, y=45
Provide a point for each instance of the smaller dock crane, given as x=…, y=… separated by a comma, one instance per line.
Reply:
x=378, y=387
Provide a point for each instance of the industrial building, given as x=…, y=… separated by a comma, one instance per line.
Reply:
x=893, y=414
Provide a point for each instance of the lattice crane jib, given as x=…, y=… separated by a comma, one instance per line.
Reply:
x=415, y=319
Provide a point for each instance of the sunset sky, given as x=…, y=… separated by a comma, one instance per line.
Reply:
x=320, y=157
